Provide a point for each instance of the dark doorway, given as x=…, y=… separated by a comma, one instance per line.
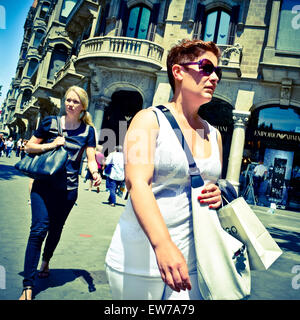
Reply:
x=117, y=117
x=218, y=113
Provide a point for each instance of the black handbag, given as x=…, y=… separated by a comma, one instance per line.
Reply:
x=44, y=165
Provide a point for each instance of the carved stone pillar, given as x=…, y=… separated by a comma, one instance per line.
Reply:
x=101, y=103
x=240, y=119
x=285, y=92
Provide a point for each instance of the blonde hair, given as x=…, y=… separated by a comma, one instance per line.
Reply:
x=84, y=99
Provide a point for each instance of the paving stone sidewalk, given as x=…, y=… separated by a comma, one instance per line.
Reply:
x=77, y=267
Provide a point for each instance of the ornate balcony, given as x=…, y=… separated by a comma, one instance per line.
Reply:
x=67, y=75
x=120, y=52
x=28, y=109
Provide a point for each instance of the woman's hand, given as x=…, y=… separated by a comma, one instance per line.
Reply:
x=211, y=195
x=97, y=178
x=172, y=266
x=59, y=141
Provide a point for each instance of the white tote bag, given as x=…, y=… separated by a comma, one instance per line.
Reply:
x=239, y=219
x=222, y=260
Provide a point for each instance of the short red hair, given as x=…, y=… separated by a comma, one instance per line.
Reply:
x=188, y=51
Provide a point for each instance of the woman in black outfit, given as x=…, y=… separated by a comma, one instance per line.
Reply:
x=52, y=201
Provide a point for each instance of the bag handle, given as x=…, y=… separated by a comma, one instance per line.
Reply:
x=59, y=128
x=194, y=172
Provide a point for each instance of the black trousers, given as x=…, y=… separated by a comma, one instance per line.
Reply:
x=50, y=208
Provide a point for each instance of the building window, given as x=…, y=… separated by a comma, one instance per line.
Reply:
x=26, y=97
x=44, y=9
x=138, y=24
x=58, y=60
x=24, y=53
x=276, y=118
x=33, y=64
x=288, y=36
x=67, y=7
x=217, y=27
x=38, y=38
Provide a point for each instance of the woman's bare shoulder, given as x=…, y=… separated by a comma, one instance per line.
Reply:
x=145, y=118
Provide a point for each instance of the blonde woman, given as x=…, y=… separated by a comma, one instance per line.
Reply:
x=52, y=201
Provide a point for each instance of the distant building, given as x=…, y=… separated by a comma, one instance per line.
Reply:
x=117, y=51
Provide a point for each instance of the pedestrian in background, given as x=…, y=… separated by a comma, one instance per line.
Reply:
x=19, y=146
x=52, y=200
x=23, y=148
x=114, y=173
x=2, y=145
x=9, y=147
x=152, y=253
x=259, y=173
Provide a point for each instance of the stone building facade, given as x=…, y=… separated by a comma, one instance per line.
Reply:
x=116, y=50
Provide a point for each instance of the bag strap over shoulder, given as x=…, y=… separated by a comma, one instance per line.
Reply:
x=59, y=128
x=194, y=172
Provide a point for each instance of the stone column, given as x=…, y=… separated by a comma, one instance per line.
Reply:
x=101, y=103
x=32, y=121
x=163, y=89
x=240, y=119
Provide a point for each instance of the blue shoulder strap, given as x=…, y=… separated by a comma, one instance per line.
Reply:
x=194, y=172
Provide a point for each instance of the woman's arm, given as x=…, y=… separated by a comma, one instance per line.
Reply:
x=92, y=165
x=139, y=151
x=211, y=194
x=34, y=145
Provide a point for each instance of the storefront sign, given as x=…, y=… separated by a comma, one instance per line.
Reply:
x=277, y=135
x=222, y=128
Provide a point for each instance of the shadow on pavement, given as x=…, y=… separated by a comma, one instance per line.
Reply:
x=59, y=277
x=117, y=204
x=288, y=240
x=7, y=172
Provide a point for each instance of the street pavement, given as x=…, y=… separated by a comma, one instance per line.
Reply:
x=77, y=269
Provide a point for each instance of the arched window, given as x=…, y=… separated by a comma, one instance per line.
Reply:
x=138, y=23
x=67, y=7
x=278, y=118
x=33, y=64
x=217, y=26
x=58, y=60
x=39, y=34
x=44, y=9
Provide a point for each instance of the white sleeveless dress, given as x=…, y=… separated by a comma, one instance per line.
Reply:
x=130, y=250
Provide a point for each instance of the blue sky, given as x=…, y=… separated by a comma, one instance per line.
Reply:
x=13, y=14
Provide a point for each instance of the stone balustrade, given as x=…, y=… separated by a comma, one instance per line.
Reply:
x=122, y=47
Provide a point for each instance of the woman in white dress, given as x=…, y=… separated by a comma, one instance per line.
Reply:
x=152, y=254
